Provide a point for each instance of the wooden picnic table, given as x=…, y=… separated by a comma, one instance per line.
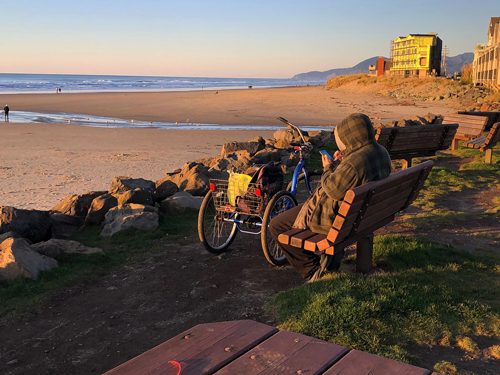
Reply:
x=246, y=347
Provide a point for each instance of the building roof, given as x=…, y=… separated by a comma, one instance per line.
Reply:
x=493, y=21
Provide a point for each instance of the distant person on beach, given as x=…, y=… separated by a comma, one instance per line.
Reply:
x=59, y=90
x=6, y=110
x=362, y=160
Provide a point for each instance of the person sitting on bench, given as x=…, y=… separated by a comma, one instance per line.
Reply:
x=362, y=160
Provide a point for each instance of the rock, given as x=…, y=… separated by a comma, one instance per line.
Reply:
x=31, y=224
x=122, y=184
x=64, y=226
x=238, y=162
x=77, y=205
x=99, y=207
x=6, y=235
x=193, y=178
x=54, y=247
x=165, y=188
x=132, y=215
x=266, y=155
x=180, y=203
x=250, y=147
x=133, y=190
x=259, y=139
x=138, y=196
x=418, y=120
x=18, y=259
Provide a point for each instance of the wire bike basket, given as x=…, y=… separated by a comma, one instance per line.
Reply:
x=241, y=197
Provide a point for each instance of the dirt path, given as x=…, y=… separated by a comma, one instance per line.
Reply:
x=94, y=327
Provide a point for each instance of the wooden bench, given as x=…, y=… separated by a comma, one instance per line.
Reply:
x=246, y=347
x=411, y=142
x=364, y=210
x=493, y=116
x=486, y=143
x=469, y=127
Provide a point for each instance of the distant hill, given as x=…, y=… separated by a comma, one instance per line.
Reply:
x=453, y=64
x=362, y=67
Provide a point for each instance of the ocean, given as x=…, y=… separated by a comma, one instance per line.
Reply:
x=47, y=83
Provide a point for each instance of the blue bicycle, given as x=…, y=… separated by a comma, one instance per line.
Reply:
x=220, y=218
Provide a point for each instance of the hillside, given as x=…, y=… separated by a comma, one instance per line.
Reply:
x=454, y=64
x=361, y=67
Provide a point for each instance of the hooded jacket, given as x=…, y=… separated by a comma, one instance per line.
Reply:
x=363, y=161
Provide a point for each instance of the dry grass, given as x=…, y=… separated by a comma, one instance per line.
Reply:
x=466, y=78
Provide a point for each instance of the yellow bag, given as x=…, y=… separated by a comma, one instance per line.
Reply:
x=237, y=186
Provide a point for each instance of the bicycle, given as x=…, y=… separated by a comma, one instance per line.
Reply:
x=220, y=218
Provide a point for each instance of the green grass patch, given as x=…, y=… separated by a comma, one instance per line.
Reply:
x=429, y=294
x=24, y=294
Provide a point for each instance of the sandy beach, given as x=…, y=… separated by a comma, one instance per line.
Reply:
x=40, y=164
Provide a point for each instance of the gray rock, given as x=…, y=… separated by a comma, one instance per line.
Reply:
x=165, y=188
x=99, y=207
x=64, y=226
x=18, y=259
x=31, y=224
x=132, y=215
x=54, y=247
x=122, y=184
x=251, y=147
x=77, y=205
x=180, y=203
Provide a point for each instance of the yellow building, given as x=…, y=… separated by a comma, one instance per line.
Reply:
x=486, y=65
x=416, y=55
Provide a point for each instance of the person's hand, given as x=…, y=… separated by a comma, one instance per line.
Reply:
x=337, y=156
x=326, y=161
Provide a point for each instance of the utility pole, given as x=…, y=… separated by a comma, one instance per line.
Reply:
x=446, y=52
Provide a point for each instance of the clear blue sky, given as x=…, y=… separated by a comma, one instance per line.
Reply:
x=224, y=38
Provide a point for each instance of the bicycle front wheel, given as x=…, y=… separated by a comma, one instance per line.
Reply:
x=301, y=192
x=214, y=231
x=281, y=202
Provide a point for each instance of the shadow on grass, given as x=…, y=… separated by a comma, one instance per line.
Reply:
x=428, y=294
x=23, y=294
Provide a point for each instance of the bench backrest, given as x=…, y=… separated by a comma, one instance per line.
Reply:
x=469, y=127
x=492, y=138
x=493, y=116
x=373, y=205
x=401, y=141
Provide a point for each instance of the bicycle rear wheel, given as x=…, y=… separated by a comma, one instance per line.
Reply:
x=302, y=193
x=281, y=202
x=214, y=231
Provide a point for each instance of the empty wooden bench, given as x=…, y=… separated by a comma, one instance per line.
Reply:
x=246, y=347
x=486, y=143
x=411, y=142
x=469, y=127
x=364, y=210
x=493, y=116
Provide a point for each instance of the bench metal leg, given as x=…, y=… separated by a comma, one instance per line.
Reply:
x=364, y=254
x=488, y=156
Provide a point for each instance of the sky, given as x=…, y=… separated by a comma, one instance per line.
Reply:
x=224, y=38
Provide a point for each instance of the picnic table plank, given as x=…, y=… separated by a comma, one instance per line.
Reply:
x=202, y=349
x=286, y=353
x=361, y=363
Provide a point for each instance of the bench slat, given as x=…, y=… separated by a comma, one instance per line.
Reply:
x=298, y=239
x=361, y=363
x=285, y=238
x=311, y=244
x=286, y=353
x=191, y=347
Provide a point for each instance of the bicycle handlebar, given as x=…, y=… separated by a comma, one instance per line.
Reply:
x=295, y=127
